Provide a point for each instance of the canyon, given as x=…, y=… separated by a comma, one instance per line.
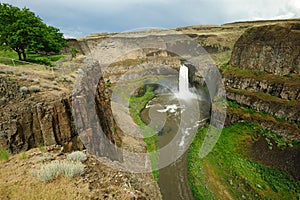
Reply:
x=259, y=63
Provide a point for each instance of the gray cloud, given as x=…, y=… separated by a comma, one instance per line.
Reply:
x=82, y=17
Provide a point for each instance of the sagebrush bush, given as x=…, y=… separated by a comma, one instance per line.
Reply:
x=34, y=88
x=50, y=171
x=23, y=89
x=77, y=156
x=72, y=169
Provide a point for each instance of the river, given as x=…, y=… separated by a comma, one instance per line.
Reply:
x=176, y=121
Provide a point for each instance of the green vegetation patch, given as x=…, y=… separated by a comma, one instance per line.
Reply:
x=23, y=156
x=4, y=154
x=9, y=57
x=136, y=105
x=45, y=59
x=228, y=172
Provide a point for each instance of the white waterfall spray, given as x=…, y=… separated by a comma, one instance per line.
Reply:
x=183, y=84
x=183, y=79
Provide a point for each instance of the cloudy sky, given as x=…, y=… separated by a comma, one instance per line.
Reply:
x=77, y=18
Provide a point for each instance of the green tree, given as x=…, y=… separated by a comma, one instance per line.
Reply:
x=23, y=31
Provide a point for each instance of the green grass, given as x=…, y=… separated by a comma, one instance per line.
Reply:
x=33, y=58
x=4, y=154
x=136, y=105
x=234, y=171
x=41, y=148
x=52, y=58
x=233, y=104
x=279, y=140
x=23, y=156
x=249, y=110
x=6, y=57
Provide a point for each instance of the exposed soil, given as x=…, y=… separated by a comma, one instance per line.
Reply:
x=286, y=159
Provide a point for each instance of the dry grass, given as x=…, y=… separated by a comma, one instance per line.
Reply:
x=61, y=188
x=17, y=182
x=98, y=181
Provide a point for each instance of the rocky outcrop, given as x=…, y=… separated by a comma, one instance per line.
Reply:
x=287, y=90
x=31, y=124
x=264, y=71
x=271, y=48
x=84, y=45
x=282, y=109
x=30, y=119
x=8, y=89
x=285, y=129
x=92, y=113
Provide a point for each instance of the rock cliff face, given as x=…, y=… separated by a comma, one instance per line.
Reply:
x=269, y=83
x=270, y=48
x=83, y=46
x=37, y=124
x=30, y=119
x=93, y=115
x=283, y=89
x=280, y=109
x=274, y=95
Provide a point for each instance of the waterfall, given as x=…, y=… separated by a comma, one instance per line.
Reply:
x=184, y=94
x=184, y=80
x=183, y=84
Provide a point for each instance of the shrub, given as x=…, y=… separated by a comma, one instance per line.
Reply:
x=80, y=71
x=77, y=156
x=65, y=79
x=50, y=171
x=36, y=80
x=23, y=89
x=45, y=85
x=2, y=101
x=74, y=52
x=34, y=88
x=4, y=154
x=42, y=61
x=72, y=169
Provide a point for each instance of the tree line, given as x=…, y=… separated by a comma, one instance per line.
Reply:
x=22, y=31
